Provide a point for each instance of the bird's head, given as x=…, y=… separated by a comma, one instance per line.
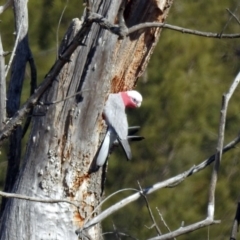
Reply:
x=131, y=99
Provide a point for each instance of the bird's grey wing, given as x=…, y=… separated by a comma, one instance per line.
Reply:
x=114, y=112
x=115, y=116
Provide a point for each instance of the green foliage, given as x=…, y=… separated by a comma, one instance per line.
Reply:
x=182, y=91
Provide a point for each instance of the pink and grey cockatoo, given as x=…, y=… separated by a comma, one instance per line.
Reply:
x=116, y=120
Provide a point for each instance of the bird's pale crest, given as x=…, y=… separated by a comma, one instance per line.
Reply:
x=136, y=97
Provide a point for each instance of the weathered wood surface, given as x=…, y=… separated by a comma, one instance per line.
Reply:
x=64, y=141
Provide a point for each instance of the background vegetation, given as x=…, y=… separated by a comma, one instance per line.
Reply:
x=182, y=90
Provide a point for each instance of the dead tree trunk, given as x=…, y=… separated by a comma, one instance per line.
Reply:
x=65, y=135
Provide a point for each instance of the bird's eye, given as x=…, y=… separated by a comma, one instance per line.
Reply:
x=134, y=100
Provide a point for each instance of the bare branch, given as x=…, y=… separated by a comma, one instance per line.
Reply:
x=116, y=28
x=104, y=23
x=211, y=159
x=33, y=199
x=182, y=30
x=218, y=156
x=2, y=88
x=93, y=17
x=150, y=212
x=59, y=22
x=167, y=183
x=183, y=230
x=233, y=15
x=165, y=224
x=122, y=25
x=6, y=6
x=229, y=20
x=134, y=197
x=116, y=233
x=177, y=179
x=64, y=99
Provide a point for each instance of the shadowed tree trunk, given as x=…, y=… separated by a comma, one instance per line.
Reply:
x=22, y=56
x=64, y=140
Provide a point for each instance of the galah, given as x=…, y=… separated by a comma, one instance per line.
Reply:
x=116, y=120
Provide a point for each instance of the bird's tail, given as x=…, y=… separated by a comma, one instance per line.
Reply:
x=126, y=148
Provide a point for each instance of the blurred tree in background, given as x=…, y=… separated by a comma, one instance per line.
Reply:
x=182, y=90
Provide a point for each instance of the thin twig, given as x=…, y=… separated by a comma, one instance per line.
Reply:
x=229, y=20
x=150, y=211
x=59, y=22
x=236, y=18
x=103, y=22
x=3, y=113
x=64, y=99
x=34, y=199
x=162, y=219
x=182, y=30
x=6, y=6
x=123, y=30
x=116, y=233
x=14, y=49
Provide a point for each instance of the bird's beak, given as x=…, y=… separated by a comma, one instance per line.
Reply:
x=139, y=104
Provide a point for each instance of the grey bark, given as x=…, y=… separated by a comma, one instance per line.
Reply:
x=63, y=143
x=2, y=88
